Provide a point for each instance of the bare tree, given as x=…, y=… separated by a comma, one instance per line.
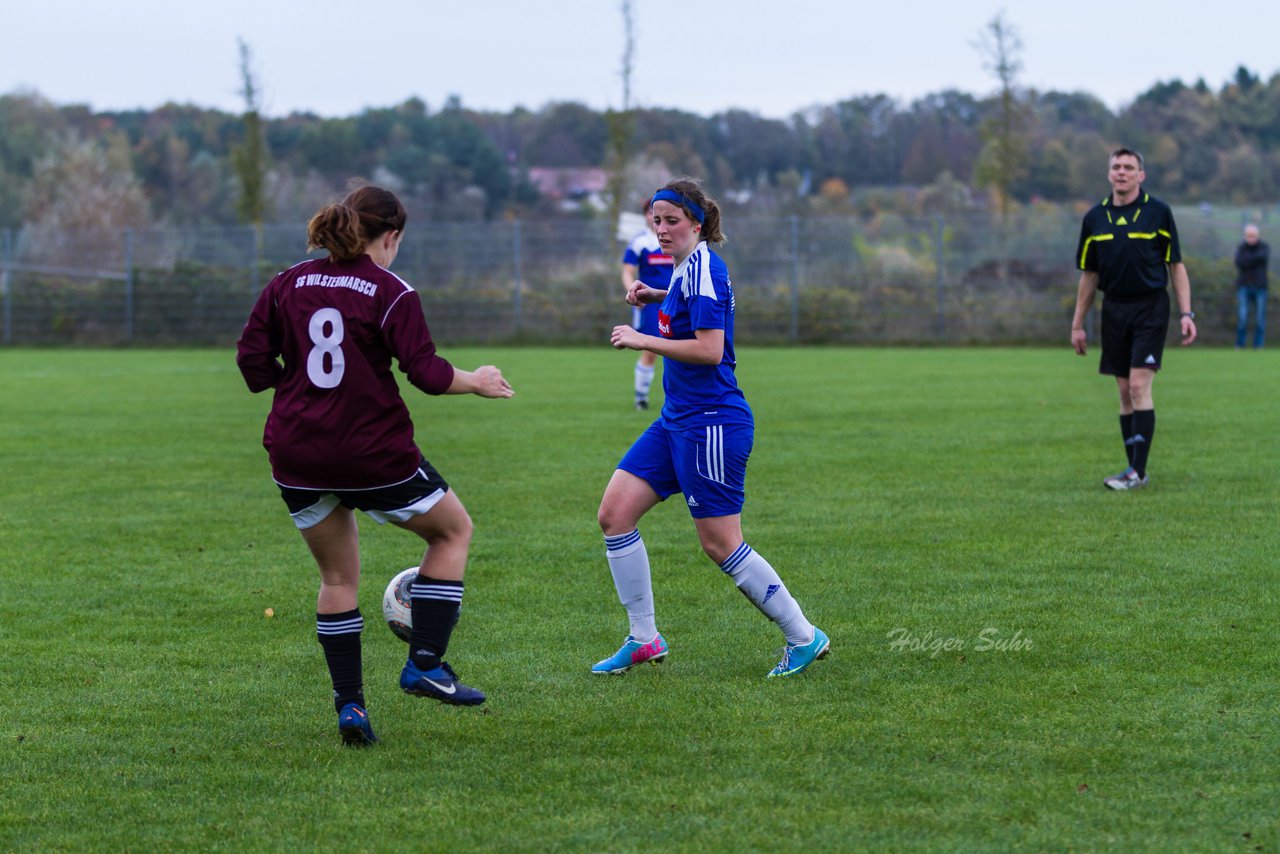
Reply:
x=250, y=157
x=628, y=52
x=1004, y=156
x=621, y=123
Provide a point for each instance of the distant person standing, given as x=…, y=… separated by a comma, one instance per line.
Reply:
x=1251, y=286
x=645, y=261
x=1129, y=250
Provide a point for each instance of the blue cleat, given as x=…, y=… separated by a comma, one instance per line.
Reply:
x=354, y=726
x=631, y=653
x=438, y=683
x=796, y=658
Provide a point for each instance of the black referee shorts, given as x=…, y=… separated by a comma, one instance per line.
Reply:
x=398, y=502
x=1133, y=334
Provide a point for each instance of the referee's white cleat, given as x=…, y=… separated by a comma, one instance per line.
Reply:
x=1127, y=479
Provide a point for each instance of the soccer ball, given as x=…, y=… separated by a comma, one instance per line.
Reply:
x=396, y=605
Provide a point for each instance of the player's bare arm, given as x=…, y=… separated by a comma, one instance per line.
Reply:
x=705, y=349
x=1085, y=293
x=630, y=272
x=1182, y=290
x=484, y=381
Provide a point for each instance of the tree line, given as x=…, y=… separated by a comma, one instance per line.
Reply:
x=68, y=166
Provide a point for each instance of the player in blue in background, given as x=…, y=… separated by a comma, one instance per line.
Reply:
x=700, y=444
x=644, y=260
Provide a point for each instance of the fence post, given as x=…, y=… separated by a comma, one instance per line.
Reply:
x=6, y=258
x=255, y=256
x=518, y=275
x=128, y=284
x=939, y=257
x=794, y=331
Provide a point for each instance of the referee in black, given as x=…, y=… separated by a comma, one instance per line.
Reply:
x=1129, y=250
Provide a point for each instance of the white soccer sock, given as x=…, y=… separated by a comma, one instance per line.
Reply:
x=629, y=563
x=760, y=583
x=644, y=380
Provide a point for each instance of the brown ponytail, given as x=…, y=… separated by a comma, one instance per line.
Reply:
x=345, y=229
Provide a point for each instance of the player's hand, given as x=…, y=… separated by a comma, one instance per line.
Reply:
x=491, y=383
x=1079, y=340
x=1188, y=331
x=641, y=294
x=624, y=337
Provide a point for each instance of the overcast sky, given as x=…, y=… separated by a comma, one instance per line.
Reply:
x=703, y=56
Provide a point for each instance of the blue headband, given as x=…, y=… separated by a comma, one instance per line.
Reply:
x=682, y=200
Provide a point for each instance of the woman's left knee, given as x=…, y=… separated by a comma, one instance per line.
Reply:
x=717, y=546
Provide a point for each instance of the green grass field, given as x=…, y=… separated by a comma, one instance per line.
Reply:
x=942, y=499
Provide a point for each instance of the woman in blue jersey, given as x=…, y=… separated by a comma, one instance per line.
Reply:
x=700, y=444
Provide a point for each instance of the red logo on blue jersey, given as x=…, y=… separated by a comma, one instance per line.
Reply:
x=664, y=324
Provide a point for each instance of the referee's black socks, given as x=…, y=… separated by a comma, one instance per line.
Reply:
x=1144, y=429
x=1126, y=431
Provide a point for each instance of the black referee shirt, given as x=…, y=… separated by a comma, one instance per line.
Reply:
x=1129, y=247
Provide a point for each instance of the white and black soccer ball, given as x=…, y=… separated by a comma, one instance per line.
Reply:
x=396, y=605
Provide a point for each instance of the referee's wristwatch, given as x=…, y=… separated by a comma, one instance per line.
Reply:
x=1190, y=314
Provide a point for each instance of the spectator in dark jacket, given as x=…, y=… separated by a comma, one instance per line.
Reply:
x=1251, y=286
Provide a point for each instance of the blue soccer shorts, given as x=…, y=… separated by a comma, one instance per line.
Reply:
x=707, y=464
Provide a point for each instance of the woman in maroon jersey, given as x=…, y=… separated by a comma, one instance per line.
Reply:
x=339, y=437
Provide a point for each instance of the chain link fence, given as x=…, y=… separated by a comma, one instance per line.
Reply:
x=886, y=279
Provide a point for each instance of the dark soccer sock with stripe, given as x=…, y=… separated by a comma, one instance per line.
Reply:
x=1144, y=429
x=435, y=607
x=1126, y=430
x=339, y=636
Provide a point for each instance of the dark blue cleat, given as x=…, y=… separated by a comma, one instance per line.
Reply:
x=353, y=724
x=438, y=683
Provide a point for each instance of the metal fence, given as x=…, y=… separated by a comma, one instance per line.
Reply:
x=885, y=279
